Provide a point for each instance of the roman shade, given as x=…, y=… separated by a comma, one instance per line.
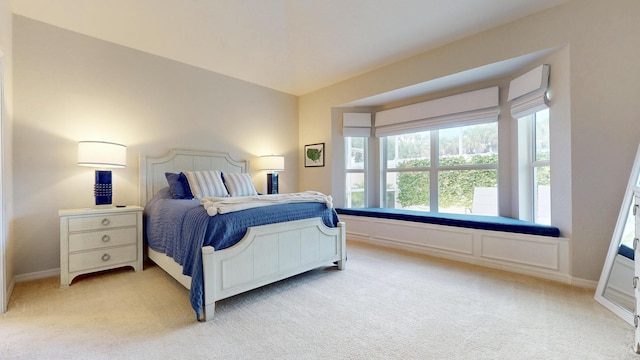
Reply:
x=470, y=108
x=356, y=124
x=528, y=92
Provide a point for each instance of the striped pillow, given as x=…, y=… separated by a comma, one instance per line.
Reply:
x=239, y=184
x=206, y=183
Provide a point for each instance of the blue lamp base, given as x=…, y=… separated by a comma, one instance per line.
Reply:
x=272, y=183
x=103, y=189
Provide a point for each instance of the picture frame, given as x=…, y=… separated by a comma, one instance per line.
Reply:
x=314, y=155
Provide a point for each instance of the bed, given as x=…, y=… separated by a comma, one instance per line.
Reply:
x=266, y=253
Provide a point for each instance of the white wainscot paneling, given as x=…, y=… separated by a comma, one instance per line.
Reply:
x=456, y=240
x=534, y=252
x=540, y=256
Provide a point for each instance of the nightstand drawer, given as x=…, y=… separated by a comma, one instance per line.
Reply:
x=101, y=222
x=102, y=239
x=104, y=257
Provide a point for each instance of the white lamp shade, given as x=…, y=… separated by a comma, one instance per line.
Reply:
x=271, y=162
x=102, y=154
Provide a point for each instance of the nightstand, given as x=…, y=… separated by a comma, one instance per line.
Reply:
x=99, y=239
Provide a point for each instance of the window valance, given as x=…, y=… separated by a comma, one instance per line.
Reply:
x=528, y=92
x=475, y=107
x=356, y=124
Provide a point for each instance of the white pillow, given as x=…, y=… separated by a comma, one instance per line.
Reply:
x=239, y=184
x=206, y=183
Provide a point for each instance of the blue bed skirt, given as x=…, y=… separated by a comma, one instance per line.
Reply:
x=493, y=223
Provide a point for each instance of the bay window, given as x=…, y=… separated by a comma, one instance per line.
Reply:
x=441, y=155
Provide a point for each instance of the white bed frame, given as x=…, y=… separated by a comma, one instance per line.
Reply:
x=265, y=254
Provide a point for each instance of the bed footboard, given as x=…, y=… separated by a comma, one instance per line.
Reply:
x=270, y=253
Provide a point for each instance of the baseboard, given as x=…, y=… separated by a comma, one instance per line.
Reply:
x=584, y=283
x=12, y=285
x=37, y=275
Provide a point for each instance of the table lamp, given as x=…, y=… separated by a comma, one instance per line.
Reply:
x=272, y=163
x=102, y=155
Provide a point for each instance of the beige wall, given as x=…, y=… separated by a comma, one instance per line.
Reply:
x=6, y=78
x=604, y=123
x=69, y=87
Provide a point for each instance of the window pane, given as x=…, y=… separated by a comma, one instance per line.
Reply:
x=355, y=152
x=355, y=190
x=475, y=144
x=468, y=191
x=408, y=150
x=542, y=136
x=542, y=195
x=408, y=190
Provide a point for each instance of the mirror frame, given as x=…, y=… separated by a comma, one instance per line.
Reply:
x=632, y=187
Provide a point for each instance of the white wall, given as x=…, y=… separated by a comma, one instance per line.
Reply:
x=604, y=53
x=69, y=87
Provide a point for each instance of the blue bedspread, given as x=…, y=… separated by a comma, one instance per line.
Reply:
x=180, y=228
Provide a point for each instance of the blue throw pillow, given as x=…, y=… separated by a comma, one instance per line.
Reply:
x=178, y=186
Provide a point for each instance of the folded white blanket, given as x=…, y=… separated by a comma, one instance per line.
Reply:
x=223, y=205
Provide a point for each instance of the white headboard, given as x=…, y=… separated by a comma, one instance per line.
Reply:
x=152, y=170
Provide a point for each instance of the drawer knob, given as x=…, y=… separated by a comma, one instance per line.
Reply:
x=106, y=257
x=635, y=282
x=106, y=238
x=106, y=222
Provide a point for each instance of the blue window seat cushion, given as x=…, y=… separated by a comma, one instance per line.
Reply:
x=626, y=251
x=493, y=223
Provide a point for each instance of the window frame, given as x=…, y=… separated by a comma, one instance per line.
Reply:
x=434, y=169
x=527, y=165
x=349, y=170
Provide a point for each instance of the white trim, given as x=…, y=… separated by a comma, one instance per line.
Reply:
x=37, y=275
x=366, y=174
x=584, y=283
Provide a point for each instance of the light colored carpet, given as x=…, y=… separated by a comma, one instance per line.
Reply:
x=387, y=304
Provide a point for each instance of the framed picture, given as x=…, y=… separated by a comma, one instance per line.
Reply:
x=314, y=155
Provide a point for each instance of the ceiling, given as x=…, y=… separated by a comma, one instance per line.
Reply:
x=294, y=46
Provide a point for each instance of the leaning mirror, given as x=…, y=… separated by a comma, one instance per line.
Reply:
x=615, y=289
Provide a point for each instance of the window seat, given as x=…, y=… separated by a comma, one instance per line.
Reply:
x=493, y=223
x=497, y=242
x=626, y=251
